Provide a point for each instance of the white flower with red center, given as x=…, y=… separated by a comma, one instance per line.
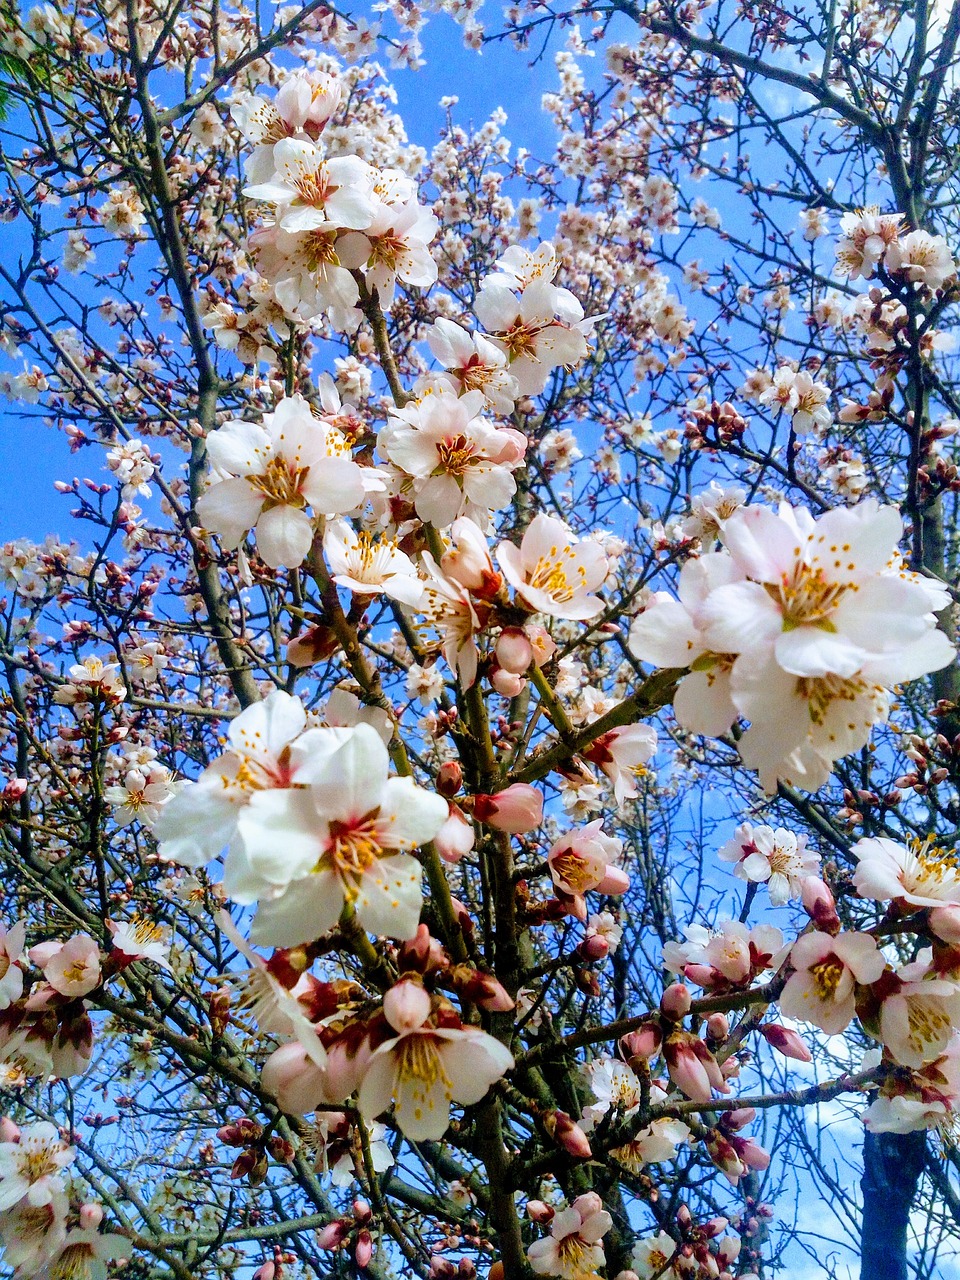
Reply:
x=778, y=858
x=820, y=592
x=670, y=633
x=74, y=968
x=394, y=247
x=368, y=565
x=92, y=679
x=553, y=571
x=272, y=471
x=710, y=509
x=84, y=1255
x=30, y=1168
x=267, y=744
x=11, y=974
x=451, y=610
x=309, y=274
x=866, y=237
x=622, y=754
x=922, y=259
x=607, y=931
x=304, y=853
x=311, y=192
x=141, y=797
x=140, y=939
x=918, y=872
x=928, y=1098
x=473, y=363
x=32, y=1235
x=651, y=1259
x=542, y=329
x=459, y=463
x=827, y=969
x=429, y=1065
x=583, y=861
x=573, y=1250
x=303, y=104
x=918, y=1014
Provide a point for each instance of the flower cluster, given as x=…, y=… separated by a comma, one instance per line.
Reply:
x=800, y=625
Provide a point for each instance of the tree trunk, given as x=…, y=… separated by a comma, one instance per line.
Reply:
x=892, y=1164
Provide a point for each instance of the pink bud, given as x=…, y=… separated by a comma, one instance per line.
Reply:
x=43, y=953
x=945, y=923
x=15, y=789
x=268, y=1271
x=449, y=779
x=406, y=1006
x=786, y=1042
x=676, y=1001
x=819, y=904
x=568, y=1134
x=626, y=1275
x=692, y=1067
x=456, y=838
x=363, y=1250
x=714, y=1226
x=540, y=1212
x=514, y=651
x=516, y=809
x=482, y=989
x=702, y=975
x=91, y=1215
x=642, y=1043
x=506, y=683
x=514, y=448
x=718, y=1026
x=331, y=1236
x=361, y=1211
x=596, y=947
x=615, y=882
x=9, y=1132
x=468, y=561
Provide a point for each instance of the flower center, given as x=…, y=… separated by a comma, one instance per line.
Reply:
x=572, y=1252
x=826, y=977
x=807, y=599
x=280, y=484
x=520, y=339
x=573, y=871
x=418, y=1058
x=352, y=847
x=926, y=1021
x=318, y=250
x=37, y=1163
x=550, y=575
x=75, y=1263
x=314, y=188
x=456, y=454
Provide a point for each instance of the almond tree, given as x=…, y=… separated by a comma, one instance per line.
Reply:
x=479, y=779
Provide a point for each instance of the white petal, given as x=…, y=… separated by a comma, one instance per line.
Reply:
x=284, y=537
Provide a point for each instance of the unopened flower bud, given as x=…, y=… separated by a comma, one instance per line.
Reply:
x=506, y=683
x=540, y=1212
x=449, y=779
x=718, y=1026
x=676, y=1001
x=642, y=1043
x=514, y=651
x=785, y=1041
x=332, y=1235
x=819, y=904
x=567, y=1134
x=91, y=1215
x=945, y=923
x=363, y=1250
x=456, y=837
x=516, y=809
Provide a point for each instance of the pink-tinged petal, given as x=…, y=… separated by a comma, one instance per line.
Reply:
x=309, y=908
x=334, y=486
x=473, y=1063
x=376, y=1088
x=284, y=537
x=230, y=509
x=351, y=783
x=240, y=448
x=614, y=882
x=813, y=651
x=281, y=835
x=762, y=544
x=389, y=897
